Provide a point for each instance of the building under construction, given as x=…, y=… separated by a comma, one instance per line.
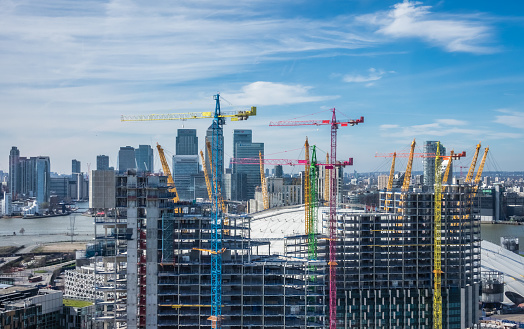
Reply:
x=384, y=262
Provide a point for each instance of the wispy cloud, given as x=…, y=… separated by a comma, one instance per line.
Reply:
x=373, y=75
x=444, y=127
x=409, y=19
x=511, y=118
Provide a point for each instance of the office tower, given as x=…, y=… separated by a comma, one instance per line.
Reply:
x=186, y=142
x=243, y=147
x=126, y=159
x=279, y=171
x=185, y=168
x=214, y=133
x=14, y=173
x=102, y=162
x=76, y=167
x=144, y=158
x=43, y=179
x=430, y=147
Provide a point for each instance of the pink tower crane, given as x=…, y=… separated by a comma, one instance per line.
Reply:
x=332, y=203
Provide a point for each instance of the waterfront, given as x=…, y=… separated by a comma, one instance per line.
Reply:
x=46, y=229
x=58, y=229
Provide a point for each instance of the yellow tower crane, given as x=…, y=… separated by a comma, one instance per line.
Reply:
x=437, y=245
x=263, y=181
x=481, y=168
x=167, y=171
x=471, y=170
x=208, y=183
x=210, y=156
x=407, y=175
x=448, y=167
x=390, y=183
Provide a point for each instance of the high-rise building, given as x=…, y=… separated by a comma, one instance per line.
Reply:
x=14, y=172
x=144, y=158
x=243, y=147
x=186, y=142
x=75, y=167
x=102, y=162
x=214, y=135
x=126, y=159
x=429, y=162
x=185, y=168
x=29, y=177
x=43, y=179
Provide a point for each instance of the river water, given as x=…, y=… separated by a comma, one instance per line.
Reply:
x=57, y=229
x=45, y=230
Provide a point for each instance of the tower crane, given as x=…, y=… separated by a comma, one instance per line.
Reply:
x=219, y=118
x=206, y=176
x=389, y=192
x=263, y=181
x=332, y=203
x=481, y=168
x=437, y=256
x=326, y=183
x=407, y=175
x=307, y=191
x=167, y=171
x=469, y=177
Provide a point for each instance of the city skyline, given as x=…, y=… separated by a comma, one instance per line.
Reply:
x=431, y=70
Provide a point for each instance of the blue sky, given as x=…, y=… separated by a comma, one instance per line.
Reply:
x=431, y=70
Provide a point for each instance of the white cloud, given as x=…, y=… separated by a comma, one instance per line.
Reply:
x=270, y=93
x=373, y=75
x=384, y=127
x=409, y=19
x=451, y=122
x=512, y=119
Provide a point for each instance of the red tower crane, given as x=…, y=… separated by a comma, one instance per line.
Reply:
x=332, y=203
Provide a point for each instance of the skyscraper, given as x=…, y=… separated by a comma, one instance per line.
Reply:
x=144, y=158
x=185, y=168
x=429, y=162
x=243, y=147
x=102, y=162
x=186, y=142
x=126, y=159
x=75, y=167
x=43, y=178
x=14, y=173
x=213, y=133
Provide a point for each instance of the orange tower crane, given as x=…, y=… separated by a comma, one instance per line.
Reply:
x=167, y=171
x=263, y=184
x=471, y=170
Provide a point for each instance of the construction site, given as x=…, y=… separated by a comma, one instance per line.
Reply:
x=414, y=262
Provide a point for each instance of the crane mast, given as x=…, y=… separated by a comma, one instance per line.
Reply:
x=167, y=171
x=332, y=201
x=307, y=195
x=407, y=175
x=313, y=177
x=208, y=183
x=263, y=181
x=481, y=167
x=471, y=170
x=437, y=256
x=326, y=183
